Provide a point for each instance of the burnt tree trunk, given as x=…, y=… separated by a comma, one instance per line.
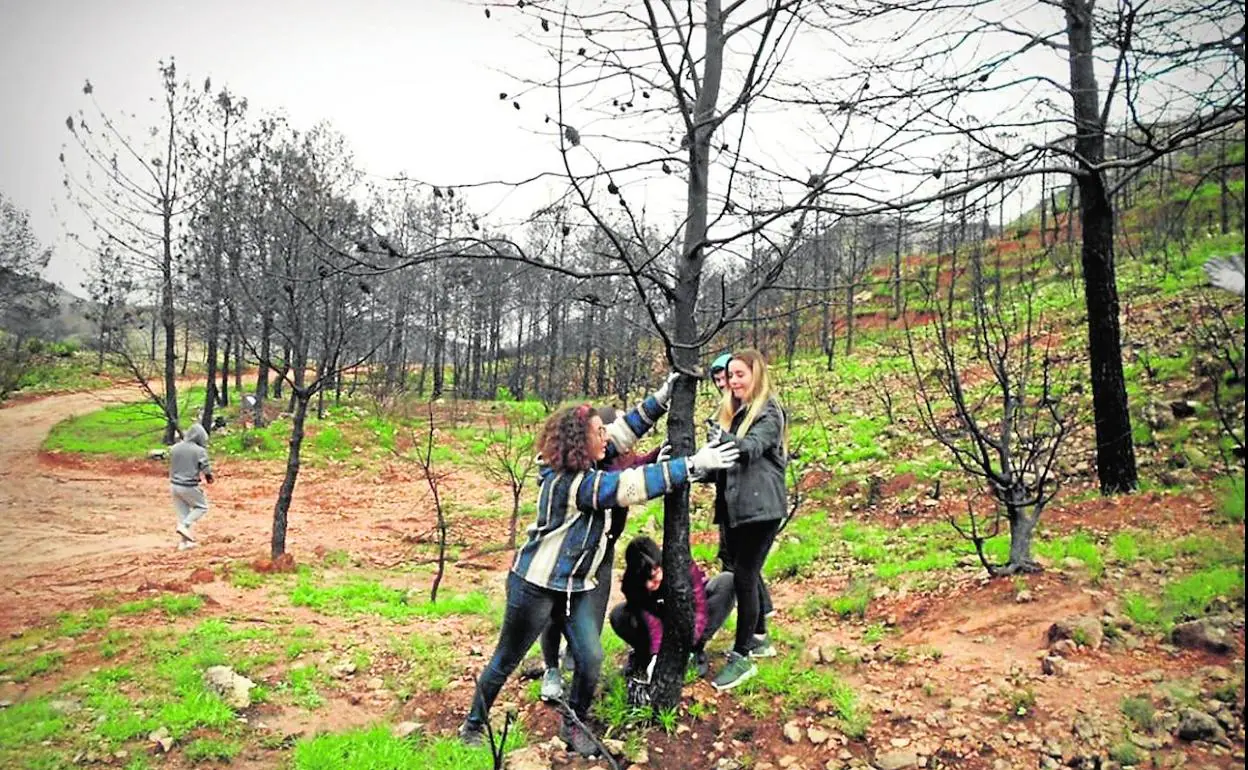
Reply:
x=281, y=509
x=669, y=672
x=1115, y=453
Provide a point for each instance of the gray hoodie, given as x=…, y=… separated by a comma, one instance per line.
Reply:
x=189, y=458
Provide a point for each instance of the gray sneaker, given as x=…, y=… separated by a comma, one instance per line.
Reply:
x=763, y=648
x=738, y=670
x=471, y=734
x=552, y=685
x=184, y=531
x=577, y=739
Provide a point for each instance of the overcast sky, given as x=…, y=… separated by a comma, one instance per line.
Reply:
x=413, y=85
x=409, y=83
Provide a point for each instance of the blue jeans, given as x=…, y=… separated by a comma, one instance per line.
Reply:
x=599, y=596
x=529, y=611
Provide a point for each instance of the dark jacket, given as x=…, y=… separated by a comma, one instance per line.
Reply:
x=651, y=606
x=753, y=489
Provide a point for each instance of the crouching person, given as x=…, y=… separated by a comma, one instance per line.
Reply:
x=639, y=620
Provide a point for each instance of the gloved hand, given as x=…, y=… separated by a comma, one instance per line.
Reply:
x=665, y=453
x=714, y=457
x=664, y=394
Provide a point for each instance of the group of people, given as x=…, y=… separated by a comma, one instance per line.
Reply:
x=560, y=580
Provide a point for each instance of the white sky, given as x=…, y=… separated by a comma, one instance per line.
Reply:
x=413, y=85
x=408, y=82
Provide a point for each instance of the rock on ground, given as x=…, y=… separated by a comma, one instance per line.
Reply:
x=232, y=688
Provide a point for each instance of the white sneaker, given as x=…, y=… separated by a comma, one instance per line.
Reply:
x=185, y=532
x=187, y=545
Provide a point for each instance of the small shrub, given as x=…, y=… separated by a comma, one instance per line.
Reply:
x=211, y=750
x=1231, y=499
x=853, y=601
x=1125, y=753
x=1140, y=711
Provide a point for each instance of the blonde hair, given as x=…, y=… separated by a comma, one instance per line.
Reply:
x=761, y=391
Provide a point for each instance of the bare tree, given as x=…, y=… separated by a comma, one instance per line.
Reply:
x=989, y=76
x=26, y=299
x=1007, y=432
x=137, y=192
x=510, y=459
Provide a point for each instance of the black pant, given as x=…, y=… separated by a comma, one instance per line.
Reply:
x=598, y=599
x=629, y=625
x=749, y=545
x=728, y=559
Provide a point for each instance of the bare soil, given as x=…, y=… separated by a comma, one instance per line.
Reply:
x=73, y=530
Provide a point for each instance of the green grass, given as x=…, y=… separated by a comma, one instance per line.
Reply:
x=1231, y=499
x=1186, y=598
x=121, y=430
x=60, y=367
x=358, y=596
x=375, y=748
x=1125, y=547
x=1139, y=710
x=212, y=750
x=799, y=546
x=431, y=661
x=302, y=685
x=795, y=686
x=1125, y=753
x=853, y=601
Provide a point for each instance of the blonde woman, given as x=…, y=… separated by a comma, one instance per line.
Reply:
x=750, y=502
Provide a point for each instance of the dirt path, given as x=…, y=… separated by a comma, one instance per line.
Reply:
x=71, y=528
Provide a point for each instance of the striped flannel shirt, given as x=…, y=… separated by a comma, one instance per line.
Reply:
x=568, y=541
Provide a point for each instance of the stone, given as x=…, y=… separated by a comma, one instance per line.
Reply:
x=818, y=735
x=1053, y=665
x=792, y=732
x=202, y=575
x=1202, y=634
x=1023, y=596
x=157, y=454
x=343, y=670
x=65, y=706
x=162, y=739
x=896, y=760
x=232, y=688
x=1198, y=726
x=1085, y=630
x=1183, y=409
x=376, y=683
x=404, y=729
x=528, y=758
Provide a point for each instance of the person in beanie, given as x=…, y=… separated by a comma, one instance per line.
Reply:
x=188, y=460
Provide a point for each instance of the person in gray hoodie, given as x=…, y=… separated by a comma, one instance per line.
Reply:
x=188, y=459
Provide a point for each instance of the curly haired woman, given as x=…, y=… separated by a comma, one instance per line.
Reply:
x=554, y=573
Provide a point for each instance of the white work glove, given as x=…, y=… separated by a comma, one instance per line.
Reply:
x=664, y=394
x=714, y=457
x=665, y=453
